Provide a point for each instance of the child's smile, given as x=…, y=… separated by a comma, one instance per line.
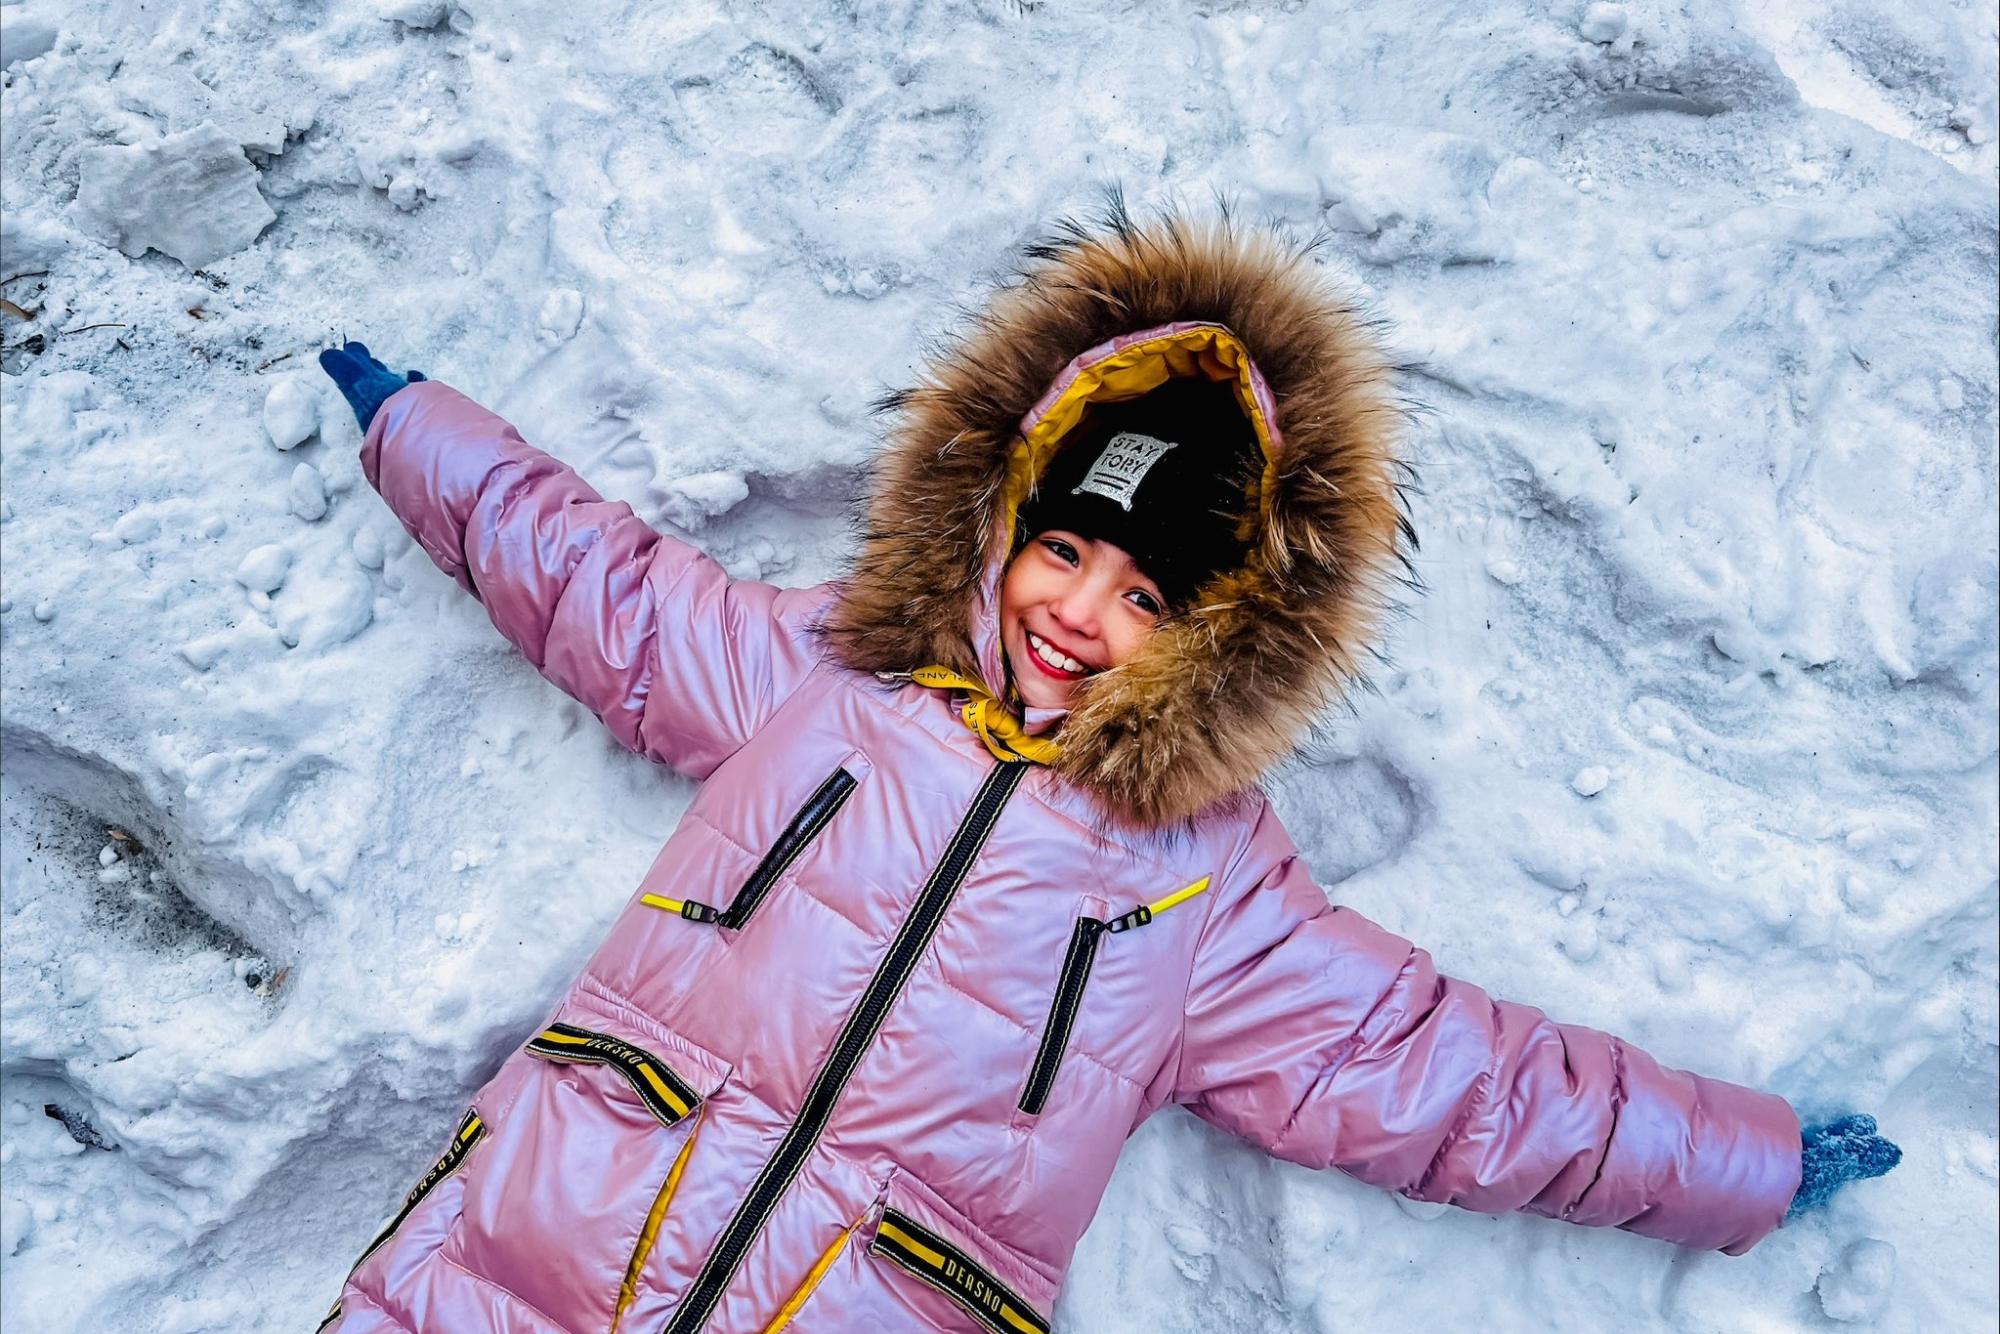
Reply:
x=1059, y=665
x=1070, y=607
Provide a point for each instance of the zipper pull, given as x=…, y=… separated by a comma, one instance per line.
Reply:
x=1145, y=912
x=1138, y=917
x=894, y=676
x=688, y=908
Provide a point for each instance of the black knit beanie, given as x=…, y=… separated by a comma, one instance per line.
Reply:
x=1164, y=476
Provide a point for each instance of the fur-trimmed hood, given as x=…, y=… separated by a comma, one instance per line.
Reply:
x=1219, y=692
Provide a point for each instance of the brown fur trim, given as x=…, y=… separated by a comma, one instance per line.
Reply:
x=1220, y=692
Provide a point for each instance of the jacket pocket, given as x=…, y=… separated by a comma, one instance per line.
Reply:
x=799, y=832
x=582, y=1163
x=1075, y=974
x=915, y=1236
x=1070, y=983
x=471, y=1130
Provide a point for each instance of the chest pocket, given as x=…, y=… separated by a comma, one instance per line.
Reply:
x=807, y=823
x=1086, y=938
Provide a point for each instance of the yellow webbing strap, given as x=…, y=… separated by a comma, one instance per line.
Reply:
x=986, y=715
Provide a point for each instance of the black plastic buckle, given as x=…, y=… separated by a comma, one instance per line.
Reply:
x=1139, y=916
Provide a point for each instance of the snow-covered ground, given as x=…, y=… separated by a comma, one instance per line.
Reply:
x=1693, y=739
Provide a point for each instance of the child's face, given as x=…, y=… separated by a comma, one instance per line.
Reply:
x=1083, y=599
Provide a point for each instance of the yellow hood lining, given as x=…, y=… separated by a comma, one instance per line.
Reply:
x=1206, y=349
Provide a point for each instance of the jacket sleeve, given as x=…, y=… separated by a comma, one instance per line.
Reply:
x=1331, y=1042
x=681, y=662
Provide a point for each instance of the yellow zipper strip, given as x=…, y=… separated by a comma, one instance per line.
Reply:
x=657, y=1215
x=802, y=1293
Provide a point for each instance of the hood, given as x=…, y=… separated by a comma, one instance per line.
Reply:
x=1219, y=692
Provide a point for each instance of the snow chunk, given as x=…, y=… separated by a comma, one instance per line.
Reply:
x=693, y=500
x=561, y=314
x=136, y=526
x=24, y=38
x=1591, y=781
x=265, y=568
x=308, y=493
x=291, y=412
x=1855, y=1288
x=325, y=608
x=171, y=94
x=31, y=245
x=1604, y=23
x=419, y=14
x=191, y=195
x=368, y=549
x=204, y=652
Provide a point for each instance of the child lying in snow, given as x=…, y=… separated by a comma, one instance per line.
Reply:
x=979, y=875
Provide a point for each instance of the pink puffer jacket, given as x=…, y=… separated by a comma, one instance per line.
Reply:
x=863, y=1047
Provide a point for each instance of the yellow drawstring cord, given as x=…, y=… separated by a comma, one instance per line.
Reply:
x=1146, y=912
x=1159, y=906
x=986, y=715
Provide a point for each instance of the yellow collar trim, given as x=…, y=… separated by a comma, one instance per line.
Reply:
x=988, y=717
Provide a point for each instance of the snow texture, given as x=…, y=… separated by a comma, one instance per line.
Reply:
x=1692, y=739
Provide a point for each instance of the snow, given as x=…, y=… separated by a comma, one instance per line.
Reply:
x=291, y=411
x=192, y=195
x=1857, y=1286
x=1700, y=308
x=308, y=493
x=263, y=569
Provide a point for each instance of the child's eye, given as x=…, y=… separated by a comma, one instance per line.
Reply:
x=1063, y=550
x=1147, y=601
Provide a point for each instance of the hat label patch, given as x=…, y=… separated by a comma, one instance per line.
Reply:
x=1122, y=466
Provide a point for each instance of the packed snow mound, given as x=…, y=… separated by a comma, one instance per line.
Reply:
x=192, y=195
x=1692, y=738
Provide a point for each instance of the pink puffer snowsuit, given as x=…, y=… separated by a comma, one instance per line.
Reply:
x=863, y=1047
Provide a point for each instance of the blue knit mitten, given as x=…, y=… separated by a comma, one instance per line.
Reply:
x=1841, y=1151
x=363, y=381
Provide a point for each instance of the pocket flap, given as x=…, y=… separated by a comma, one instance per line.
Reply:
x=670, y=1075
x=922, y=1236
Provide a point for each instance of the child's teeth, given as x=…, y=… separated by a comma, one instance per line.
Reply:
x=1060, y=661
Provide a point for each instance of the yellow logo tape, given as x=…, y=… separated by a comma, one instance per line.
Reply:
x=665, y=1094
x=942, y=1265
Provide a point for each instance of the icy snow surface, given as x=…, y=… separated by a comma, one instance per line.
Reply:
x=1693, y=738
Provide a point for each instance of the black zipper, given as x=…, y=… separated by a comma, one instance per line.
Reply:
x=802, y=829
x=908, y=948
x=1062, y=1013
x=812, y=816
x=1069, y=995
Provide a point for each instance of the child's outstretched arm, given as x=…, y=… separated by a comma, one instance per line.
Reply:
x=681, y=662
x=1334, y=1043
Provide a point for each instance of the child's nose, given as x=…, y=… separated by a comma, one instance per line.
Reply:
x=1076, y=613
